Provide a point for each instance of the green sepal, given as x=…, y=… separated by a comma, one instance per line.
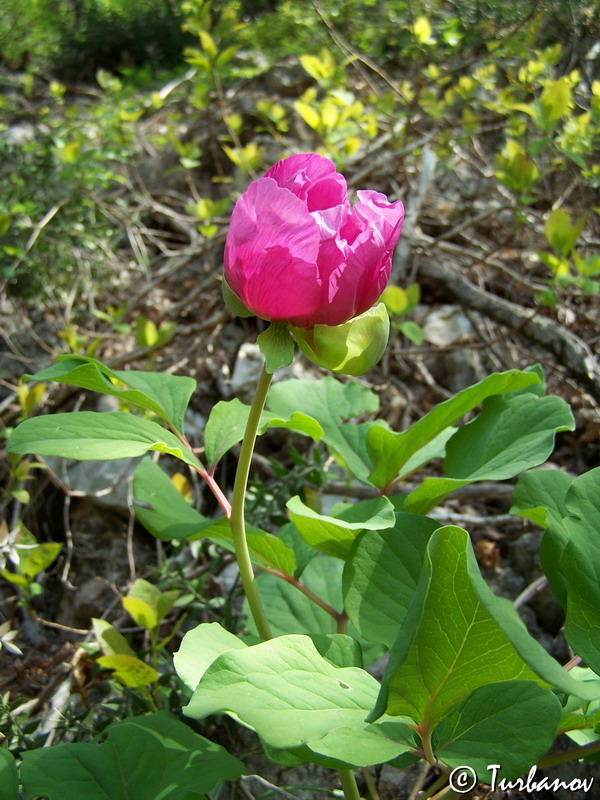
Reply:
x=277, y=346
x=353, y=347
x=233, y=302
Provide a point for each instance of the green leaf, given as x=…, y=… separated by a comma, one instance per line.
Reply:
x=561, y=235
x=277, y=686
x=165, y=395
x=308, y=114
x=153, y=757
x=303, y=552
x=288, y=610
x=199, y=648
x=277, y=346
x=265, y=548
x=556, y=501
x=458, y=636
x=381, y=576
x=514, y=720
x=5, y=221
x=511, y=434
x=422, y=31
x=9, y=776
x=334, y=534
x=390, y=451
x=12, y=577
x=359, y=747
x=142, y=602
x=38, y=558
x=540, y=496
x=151, y=605
x=202, y=645
x=146, y=332
x=395, y=299
x=160, y=506
x=329, y=402
x=110, y=640
x=580, y=567
x=129, y=670
x=227, y=422
x=412, y=331
x=224, y=428
x=556, y=99
x=293, y=697
x=233, y=302
x=163, y=510
x=91, y=435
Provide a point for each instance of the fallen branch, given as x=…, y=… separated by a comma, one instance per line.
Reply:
x=573, y=353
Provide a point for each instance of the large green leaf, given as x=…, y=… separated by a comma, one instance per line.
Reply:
x=580, y=566
x=288, y=610
x=540, y=496
x=458, y=636
x=160, y=506
x=92, y=435
x=303, y=552
x=293, y=697
x=516, y=721
x=277, y=686
x=9, y=776
x=154, y=757
x=390, y=451
x=166, y=395
x=202, y=645
x=199, y=648
x=510, y=434
x=329, y=402
x=381, y=576
x=162, y=509
x=265, y=548
x=359, y=747
x=334, y=534
x=227, y=423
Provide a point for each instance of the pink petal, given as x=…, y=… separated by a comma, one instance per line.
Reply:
x=374, y=210
x=331, y=220
x=312, y=178
x=354, y=285
x=271, y=253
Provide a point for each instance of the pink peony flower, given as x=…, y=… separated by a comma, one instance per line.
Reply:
x=298, y=252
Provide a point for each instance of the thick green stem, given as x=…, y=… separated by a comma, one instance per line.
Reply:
x=349, y=786
x=238, y=525
x=238, y=528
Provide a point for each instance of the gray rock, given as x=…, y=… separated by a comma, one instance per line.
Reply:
x=446, y=325
x=246, y=370
x=462, y=368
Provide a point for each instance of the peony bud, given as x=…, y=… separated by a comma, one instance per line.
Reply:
x=351, y=348
x=298, y=252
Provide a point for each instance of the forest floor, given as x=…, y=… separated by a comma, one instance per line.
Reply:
x=478, y=313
